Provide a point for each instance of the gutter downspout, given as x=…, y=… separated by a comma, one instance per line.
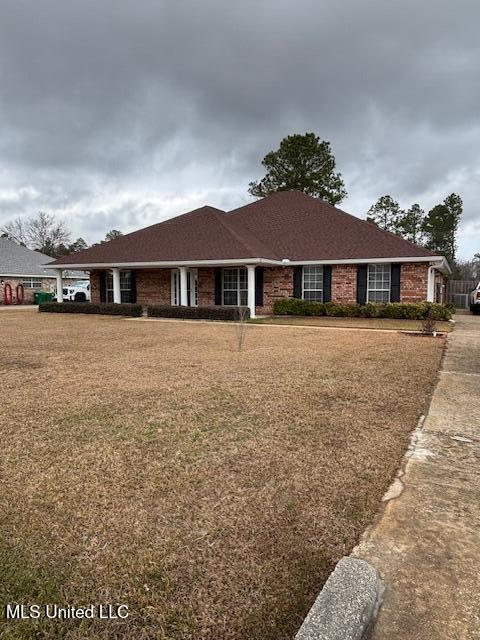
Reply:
x=431, y=284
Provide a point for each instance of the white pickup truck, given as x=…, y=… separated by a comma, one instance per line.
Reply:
x=78, y=291
x=475, y=300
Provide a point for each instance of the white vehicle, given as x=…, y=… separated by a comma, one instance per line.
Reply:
x=79, y=291
x=475, y=300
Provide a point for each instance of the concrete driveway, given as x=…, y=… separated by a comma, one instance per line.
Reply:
x=426, y=545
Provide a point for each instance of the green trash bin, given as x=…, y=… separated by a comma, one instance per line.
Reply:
x=42, y=296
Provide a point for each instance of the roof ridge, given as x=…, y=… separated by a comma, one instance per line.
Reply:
x=244, y=241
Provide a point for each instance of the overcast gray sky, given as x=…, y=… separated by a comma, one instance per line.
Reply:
x=118, y=114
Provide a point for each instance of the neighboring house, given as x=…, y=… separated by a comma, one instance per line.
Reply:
x=20, y=266
x=287, y=244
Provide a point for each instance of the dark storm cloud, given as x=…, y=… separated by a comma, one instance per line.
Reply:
x=117, y=114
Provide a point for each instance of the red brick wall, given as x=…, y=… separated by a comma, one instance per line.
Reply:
x=206, y=286
x=28, y=293
x=344, y=283
x=153, y=287
x=413, y=281
x=277, y=283
x=95, y=286
x=48, y=284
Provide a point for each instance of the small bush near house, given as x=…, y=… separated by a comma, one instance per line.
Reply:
x=396, y=310
x=131, y=310
x=199, y=313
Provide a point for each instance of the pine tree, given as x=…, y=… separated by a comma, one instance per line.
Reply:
x=385, y=213
x=302, y=162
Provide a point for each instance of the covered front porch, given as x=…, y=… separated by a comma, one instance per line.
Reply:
x=182, y=285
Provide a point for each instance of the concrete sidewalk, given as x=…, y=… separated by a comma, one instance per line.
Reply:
x=18, y=307
x=426, y=544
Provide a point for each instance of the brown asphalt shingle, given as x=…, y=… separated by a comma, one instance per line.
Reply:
x=287, y=224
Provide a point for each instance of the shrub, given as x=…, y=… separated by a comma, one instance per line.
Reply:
x=397, y=310
x=131, y=310
x=199, y=313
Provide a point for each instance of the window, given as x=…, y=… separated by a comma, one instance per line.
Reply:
x=32, y=283
x=235, y=286
x=125, y=286
x=378, y=284
x=313, y=283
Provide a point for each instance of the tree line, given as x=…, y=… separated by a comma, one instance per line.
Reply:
x=435, y=230
x=45, y=233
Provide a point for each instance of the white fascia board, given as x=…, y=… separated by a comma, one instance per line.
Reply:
x=167, y=264
x=25, y=275
x=442, y=266
x=438, y=261
x=363, y=260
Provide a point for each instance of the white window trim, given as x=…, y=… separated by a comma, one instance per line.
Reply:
x=122, y=290
x=174, y=275
x=239, y=290
x=303, y=283
x=192, y=275
x=27, y=283
x=389, y=282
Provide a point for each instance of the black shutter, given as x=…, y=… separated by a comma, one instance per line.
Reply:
x=297, y=282
x=218, y=285
x=133, y=287
x=362, y=270
x=259, y=286
x=395, y=283
x=103, y=286
x=327, y=283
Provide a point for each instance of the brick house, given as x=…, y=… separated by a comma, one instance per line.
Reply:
x=23, y=271
x=287, y=244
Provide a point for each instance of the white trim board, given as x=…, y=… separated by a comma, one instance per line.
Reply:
x=438, y=261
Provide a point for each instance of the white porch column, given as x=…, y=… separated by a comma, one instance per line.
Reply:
x=183, y=286
x=117, y=296
x=431, y=285
x=251, y=290
x=59, y=285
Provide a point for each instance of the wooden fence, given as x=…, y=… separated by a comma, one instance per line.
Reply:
x=458, y=292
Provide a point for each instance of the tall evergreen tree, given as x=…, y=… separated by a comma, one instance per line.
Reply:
x=410, y=224
x=113, y=234
x=385, y=213
x=441, y=225
x=302, y=162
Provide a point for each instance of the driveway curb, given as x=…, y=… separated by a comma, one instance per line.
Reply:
x=347, y=605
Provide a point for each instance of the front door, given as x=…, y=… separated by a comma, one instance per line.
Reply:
x=192, y=287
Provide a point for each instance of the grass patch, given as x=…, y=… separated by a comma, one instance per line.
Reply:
x=22, y=581
x=153, y=464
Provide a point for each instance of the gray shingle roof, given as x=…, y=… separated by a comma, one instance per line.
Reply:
x=16, y=260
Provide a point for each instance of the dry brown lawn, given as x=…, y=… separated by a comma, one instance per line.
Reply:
x=211, y=490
